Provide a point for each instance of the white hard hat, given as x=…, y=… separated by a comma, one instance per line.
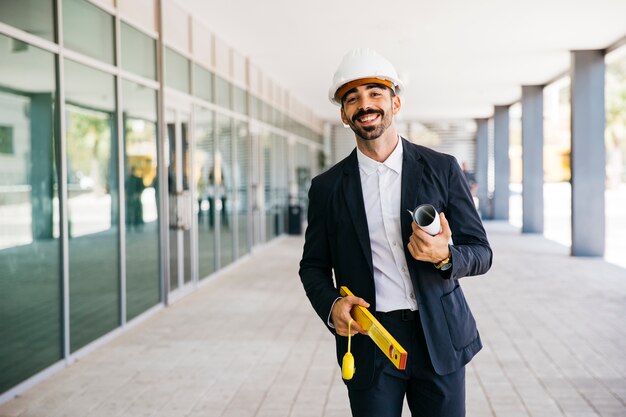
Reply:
x=363, y=64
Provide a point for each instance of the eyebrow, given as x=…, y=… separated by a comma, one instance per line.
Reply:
x=367, y=87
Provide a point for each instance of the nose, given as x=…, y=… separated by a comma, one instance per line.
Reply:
x=365, y=103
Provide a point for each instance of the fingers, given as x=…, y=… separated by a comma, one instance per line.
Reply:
x=341, y=315
x=427, y=248
x=445, y=226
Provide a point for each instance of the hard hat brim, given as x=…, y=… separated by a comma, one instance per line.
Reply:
x=336, y=93
x=341, y=91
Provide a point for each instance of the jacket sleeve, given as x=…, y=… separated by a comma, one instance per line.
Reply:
x=471, y=253
x=316, y=264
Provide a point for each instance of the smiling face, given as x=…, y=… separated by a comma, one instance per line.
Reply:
x=369, y=109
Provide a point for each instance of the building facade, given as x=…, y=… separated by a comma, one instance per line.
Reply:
x=139, y=155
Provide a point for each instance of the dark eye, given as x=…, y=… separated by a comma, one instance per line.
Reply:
x=351, y=99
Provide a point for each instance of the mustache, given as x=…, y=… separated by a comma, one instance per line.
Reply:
x=364, y=112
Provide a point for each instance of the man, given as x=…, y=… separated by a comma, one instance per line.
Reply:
x=359, y=229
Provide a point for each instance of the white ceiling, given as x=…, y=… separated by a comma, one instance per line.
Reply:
x=457, y=58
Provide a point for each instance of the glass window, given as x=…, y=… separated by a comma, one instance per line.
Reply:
x=303, y=173
x=142, y=227
x=30, y=281
x=203, y=83
x=268, y=188
x=281, y=175
x=242, y=174
x=276, y=191
x=204, y=181
x=88, y=30
x=92, y=203
x=138, y=52
x=32, y=16
x=266, y=112
x=222, y=92
x=176, y=70
x=224, y=187
x=240, y=100
x=255, y=108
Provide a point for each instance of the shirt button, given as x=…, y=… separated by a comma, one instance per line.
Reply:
x=395, y=243
x=403, y=269
x=412, y=296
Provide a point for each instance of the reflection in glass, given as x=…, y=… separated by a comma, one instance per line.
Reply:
x=138, y=52
x=242, y=173
x=179, y=172
x=224, y=187
x=303, y=175
x=32, y=16
x=186, y=176
x=172, y=169
x=88, y=29
x=204, y=180
x=30, y=281
x=281, y=175
x=140, y=167
x=276, y=192
x=270, y=221
x=92, y=204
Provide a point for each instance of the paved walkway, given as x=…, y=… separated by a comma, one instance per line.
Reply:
x=248, y=344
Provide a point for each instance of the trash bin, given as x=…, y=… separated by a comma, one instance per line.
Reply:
x=295, y=220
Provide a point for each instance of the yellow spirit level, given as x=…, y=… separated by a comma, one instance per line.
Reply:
x=390, y=346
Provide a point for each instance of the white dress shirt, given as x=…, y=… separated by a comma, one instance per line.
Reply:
x=382, y=190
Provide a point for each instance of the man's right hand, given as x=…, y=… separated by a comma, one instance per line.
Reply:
x=340, y=315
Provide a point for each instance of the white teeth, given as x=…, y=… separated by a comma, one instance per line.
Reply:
x=368, y=118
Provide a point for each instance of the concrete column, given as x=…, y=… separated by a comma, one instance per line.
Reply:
x=532, y=159
x=482, y=167
x=588, y=153
x=502, y=164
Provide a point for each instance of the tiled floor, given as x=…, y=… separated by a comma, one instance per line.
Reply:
x=249, y=344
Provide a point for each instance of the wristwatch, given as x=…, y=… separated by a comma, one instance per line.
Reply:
x=445, y=263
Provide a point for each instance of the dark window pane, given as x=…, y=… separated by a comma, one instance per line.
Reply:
x=92, y=204
x=30, y=281
x=205, y=191
x=32, y=16
x=242, y=174
x=224, y=187
x=142, y=231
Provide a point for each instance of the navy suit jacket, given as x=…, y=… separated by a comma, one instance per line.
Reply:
x=337, y=241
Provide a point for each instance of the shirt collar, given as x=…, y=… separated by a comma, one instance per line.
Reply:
x=393, y=161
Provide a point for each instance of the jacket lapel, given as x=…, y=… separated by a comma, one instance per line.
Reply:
x=356, y=207
x=412, y=170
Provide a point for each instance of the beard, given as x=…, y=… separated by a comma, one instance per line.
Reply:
x=374, y=131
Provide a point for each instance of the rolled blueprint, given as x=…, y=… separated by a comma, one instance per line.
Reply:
x=427, y=218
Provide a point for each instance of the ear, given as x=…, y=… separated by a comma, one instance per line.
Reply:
x=344, y=119
x=396, y=104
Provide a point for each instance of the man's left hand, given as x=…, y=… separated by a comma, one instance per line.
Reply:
x=427, y=248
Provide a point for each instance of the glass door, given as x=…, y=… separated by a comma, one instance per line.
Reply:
x=179, y=195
